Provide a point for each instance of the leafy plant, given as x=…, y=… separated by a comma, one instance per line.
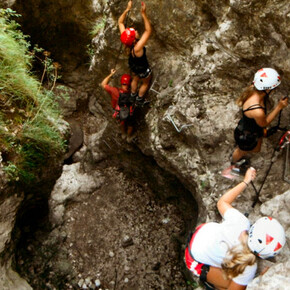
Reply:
x=98, y=26
x=192, y=284
x=29, y=113
x=90, y=51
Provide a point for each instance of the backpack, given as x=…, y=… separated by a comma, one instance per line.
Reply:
x=125, y=104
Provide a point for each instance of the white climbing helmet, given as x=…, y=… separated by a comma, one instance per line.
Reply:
x=266, y=79
x=266, y=237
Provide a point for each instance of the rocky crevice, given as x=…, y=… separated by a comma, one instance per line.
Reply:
x=202, y=53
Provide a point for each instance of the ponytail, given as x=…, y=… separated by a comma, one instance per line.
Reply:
x=236, y=260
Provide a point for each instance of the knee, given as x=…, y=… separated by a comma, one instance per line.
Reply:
x=257, y=149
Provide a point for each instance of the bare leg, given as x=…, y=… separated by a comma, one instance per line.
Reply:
x=130, y=130
x=238, y=153
x=134, y=84
x=123, y=129
x=145, y=86
x=258, y=147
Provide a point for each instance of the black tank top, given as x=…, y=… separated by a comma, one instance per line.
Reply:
x=249, y=124
x=138, y=64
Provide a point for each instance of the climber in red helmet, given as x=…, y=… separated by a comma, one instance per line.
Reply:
x=126, y=117
x=138, y=62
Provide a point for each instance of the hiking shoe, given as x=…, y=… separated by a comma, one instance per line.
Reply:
x=228, y=173
x=133, y=97
x=140, y=101
x=241, y=167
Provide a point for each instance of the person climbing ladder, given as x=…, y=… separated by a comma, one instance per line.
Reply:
x=223, y=255
x=122, y=103
x=252, y=126
x=138, y=62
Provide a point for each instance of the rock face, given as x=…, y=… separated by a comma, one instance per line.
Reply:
x=203, y=53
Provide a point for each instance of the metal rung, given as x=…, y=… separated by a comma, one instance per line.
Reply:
x=175, y=126
x=117, y=142
x=151, y=87
x=107, y=144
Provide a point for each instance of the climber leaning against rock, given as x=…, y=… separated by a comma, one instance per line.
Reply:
x=223, y=255
x=138, y=62
x=251, y=128
x=123, y=112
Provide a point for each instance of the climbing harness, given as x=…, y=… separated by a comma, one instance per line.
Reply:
x=284, y=141
x=169, y=117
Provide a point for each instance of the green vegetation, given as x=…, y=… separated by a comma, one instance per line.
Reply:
x=192, y=284
x=29, y=114
x=98, y=26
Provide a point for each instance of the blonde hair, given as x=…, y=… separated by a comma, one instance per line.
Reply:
x=247, y=92
x=236, y=260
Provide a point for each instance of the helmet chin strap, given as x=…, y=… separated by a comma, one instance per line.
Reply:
x=267, y=94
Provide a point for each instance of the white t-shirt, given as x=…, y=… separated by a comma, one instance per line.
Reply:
x=213, y=240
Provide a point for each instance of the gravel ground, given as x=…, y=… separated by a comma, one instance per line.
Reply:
x=119, y=237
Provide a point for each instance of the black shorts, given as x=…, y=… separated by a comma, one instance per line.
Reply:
x=144, y=74
x=246, y=141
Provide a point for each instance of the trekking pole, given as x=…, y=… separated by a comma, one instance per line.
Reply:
x=286, y=167
x=284, y=141
x=264, y=180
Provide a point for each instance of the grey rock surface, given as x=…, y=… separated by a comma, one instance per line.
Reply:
x=203, y=53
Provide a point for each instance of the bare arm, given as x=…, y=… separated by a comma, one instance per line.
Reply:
x=106, y=80
x=146, y=34
x=235, y=286
x=264, y=121
x=122, y=18
x=225, y=202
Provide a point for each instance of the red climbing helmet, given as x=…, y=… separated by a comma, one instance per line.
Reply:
x=266, y=237
x=128, y=36
x=125, y=79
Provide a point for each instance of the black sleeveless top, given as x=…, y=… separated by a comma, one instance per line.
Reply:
x=250, y=124
x=137, y=64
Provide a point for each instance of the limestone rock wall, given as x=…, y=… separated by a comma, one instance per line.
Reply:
x=202, y=54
